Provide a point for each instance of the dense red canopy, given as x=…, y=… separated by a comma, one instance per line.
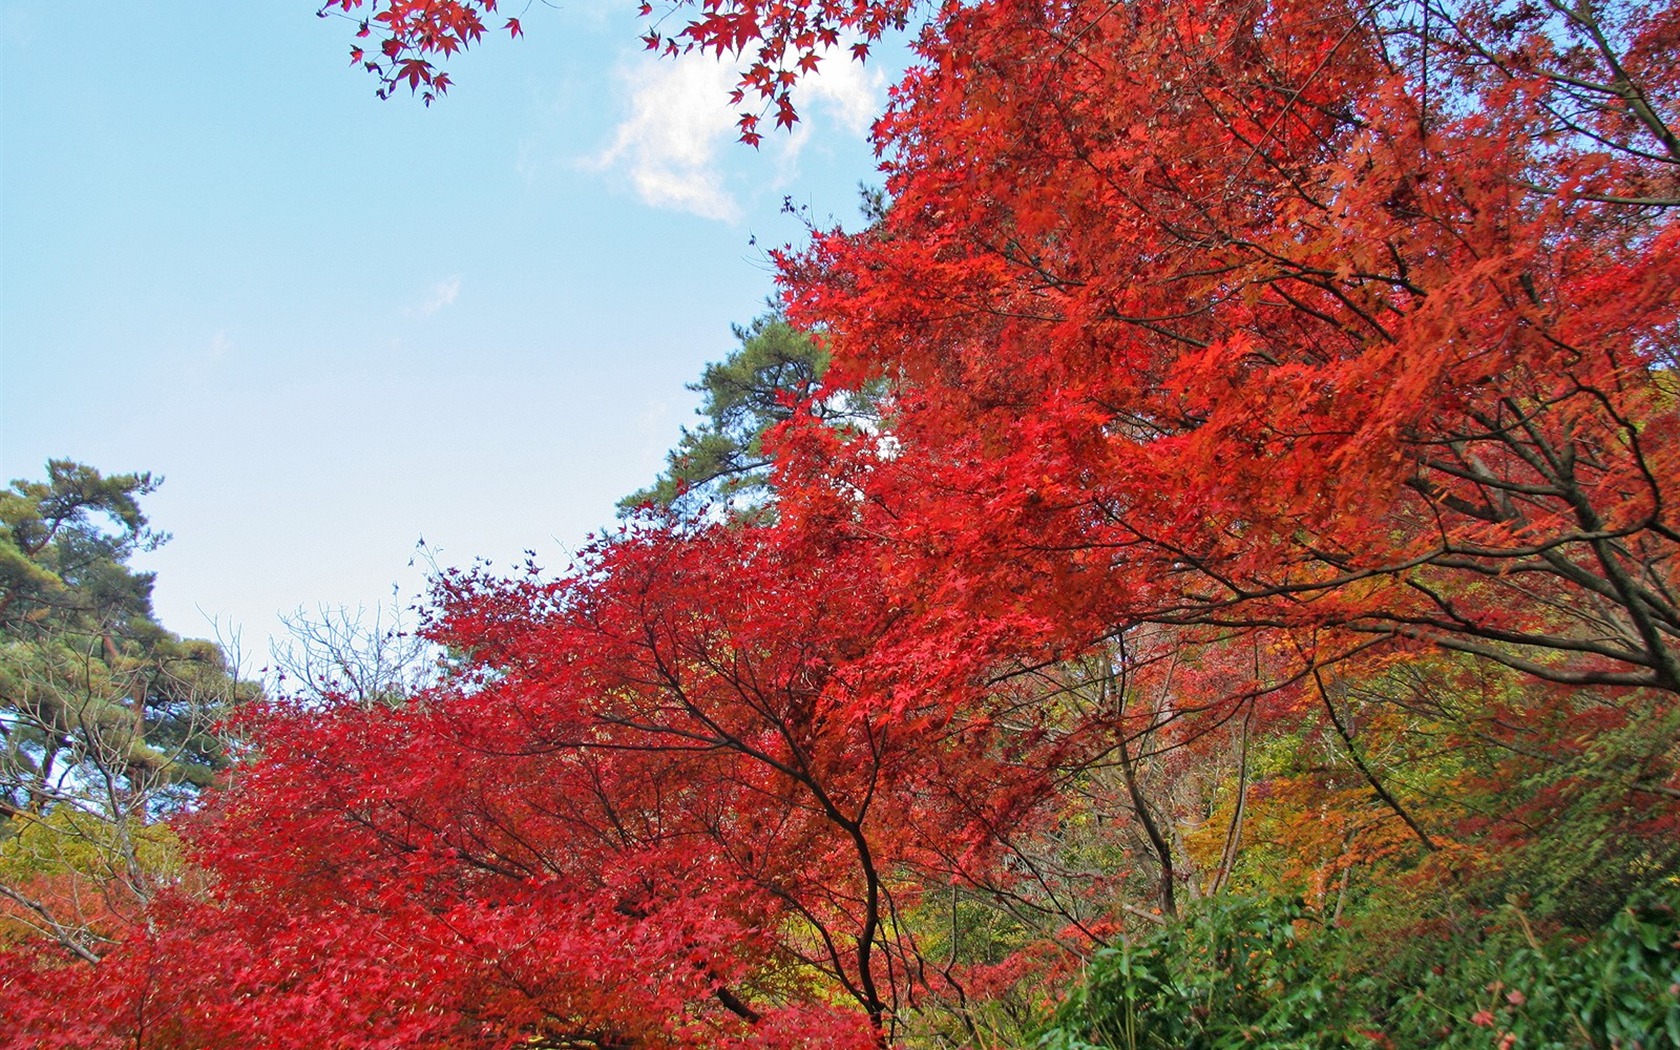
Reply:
x=1237, y=362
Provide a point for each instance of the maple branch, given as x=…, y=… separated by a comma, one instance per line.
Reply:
x=735, y=1005
x=1140, y=805
x=1623, y=85
x=736, y=677
x=1365, y=770
x=65, y=935
x=1233, y=833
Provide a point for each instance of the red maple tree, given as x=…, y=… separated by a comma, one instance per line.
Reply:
x=1279, y=316
x=673, y=802
x=1236, y=354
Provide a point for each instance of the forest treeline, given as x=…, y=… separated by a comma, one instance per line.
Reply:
x=1197, y=569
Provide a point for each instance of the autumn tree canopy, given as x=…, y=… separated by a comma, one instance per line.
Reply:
x=1273, y=315
x=1267, y=487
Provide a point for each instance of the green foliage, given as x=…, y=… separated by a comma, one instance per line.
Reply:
x=1243, y=973
x=722, y=463
x=64, y=543
x=107, y=719
x=1238, y=973
x=69, y=842
x=95, y=694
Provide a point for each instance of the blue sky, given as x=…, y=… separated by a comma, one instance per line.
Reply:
x=337, y=325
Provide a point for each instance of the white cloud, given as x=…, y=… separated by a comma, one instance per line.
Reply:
x=681, y=121
x=220, y=344
x=442, y=294
x=846, y=90
x=679, y=117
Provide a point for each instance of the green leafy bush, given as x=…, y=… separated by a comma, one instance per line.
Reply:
x=1270, y=973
